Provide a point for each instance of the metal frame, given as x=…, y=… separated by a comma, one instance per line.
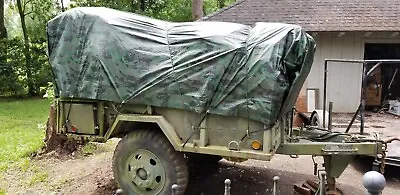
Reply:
x=361, y=107
x=275, y=140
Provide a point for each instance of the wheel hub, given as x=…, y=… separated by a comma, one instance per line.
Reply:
x=146, y=172
x=142, y=174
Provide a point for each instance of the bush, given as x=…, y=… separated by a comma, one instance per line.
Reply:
x=13, y=68
x=41, y=69
x=11, y=59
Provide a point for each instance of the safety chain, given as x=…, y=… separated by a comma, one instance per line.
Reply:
x=383, y=153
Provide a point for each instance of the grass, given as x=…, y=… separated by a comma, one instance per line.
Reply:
x=37, y=177
x=22, y=131
x=89, y=148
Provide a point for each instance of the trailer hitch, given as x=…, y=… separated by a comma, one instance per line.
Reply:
x=379, y=164
x=389, y=140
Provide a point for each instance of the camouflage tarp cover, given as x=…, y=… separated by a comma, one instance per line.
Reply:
x=205, y=67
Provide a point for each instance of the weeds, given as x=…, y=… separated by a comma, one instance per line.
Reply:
x=37, y=177
x=89, y=148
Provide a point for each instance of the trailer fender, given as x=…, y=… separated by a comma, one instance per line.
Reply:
x=164, y=125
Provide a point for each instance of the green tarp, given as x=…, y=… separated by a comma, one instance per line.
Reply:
x=205, y=67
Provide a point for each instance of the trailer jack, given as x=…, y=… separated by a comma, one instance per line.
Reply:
x=326, y=183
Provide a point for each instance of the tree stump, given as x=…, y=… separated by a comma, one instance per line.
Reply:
x=57, y=142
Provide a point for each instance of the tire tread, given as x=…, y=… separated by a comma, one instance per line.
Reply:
x=157, y=138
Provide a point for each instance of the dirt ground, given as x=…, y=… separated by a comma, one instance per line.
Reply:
x=92, y=174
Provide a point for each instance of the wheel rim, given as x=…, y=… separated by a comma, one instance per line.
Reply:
x=314, y=121
x=146, y=172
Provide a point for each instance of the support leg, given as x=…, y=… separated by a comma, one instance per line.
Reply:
x=334, y=167
x=330, y=179
x=331, y=184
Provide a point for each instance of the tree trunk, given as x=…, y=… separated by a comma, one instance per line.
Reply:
x=3, y=31
x=62, y=6
x=221, y=3
x=3, y=35
x=142, y=5
x=31, y=90
x=197, y=9
x=57, y=142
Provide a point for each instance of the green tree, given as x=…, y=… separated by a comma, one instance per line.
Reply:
x=171, y=10
x=176, y=11
x=62, y=5
x=211, y=6
x=11, y=51
x=22, y=14
x=6, y=72
x=24, y=66
x=33, y=15
x=3, y=30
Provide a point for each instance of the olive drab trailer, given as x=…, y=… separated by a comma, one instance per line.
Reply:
x=181, y=93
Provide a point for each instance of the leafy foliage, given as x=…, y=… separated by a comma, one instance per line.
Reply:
x=10, y=66
x=170, y=10
x=13, y=72
x=211, y=6
x=49, y=91
x=23, y=61
x=42, y=75
x=24, y=66
x=38, y=14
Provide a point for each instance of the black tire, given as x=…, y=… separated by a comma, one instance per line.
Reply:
x=202, y=165
x=314, y=120
x=154, y=146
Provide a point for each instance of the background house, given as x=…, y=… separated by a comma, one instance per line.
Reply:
x=344, y=29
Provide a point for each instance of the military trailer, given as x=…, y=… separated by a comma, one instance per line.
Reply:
x=179, y=93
